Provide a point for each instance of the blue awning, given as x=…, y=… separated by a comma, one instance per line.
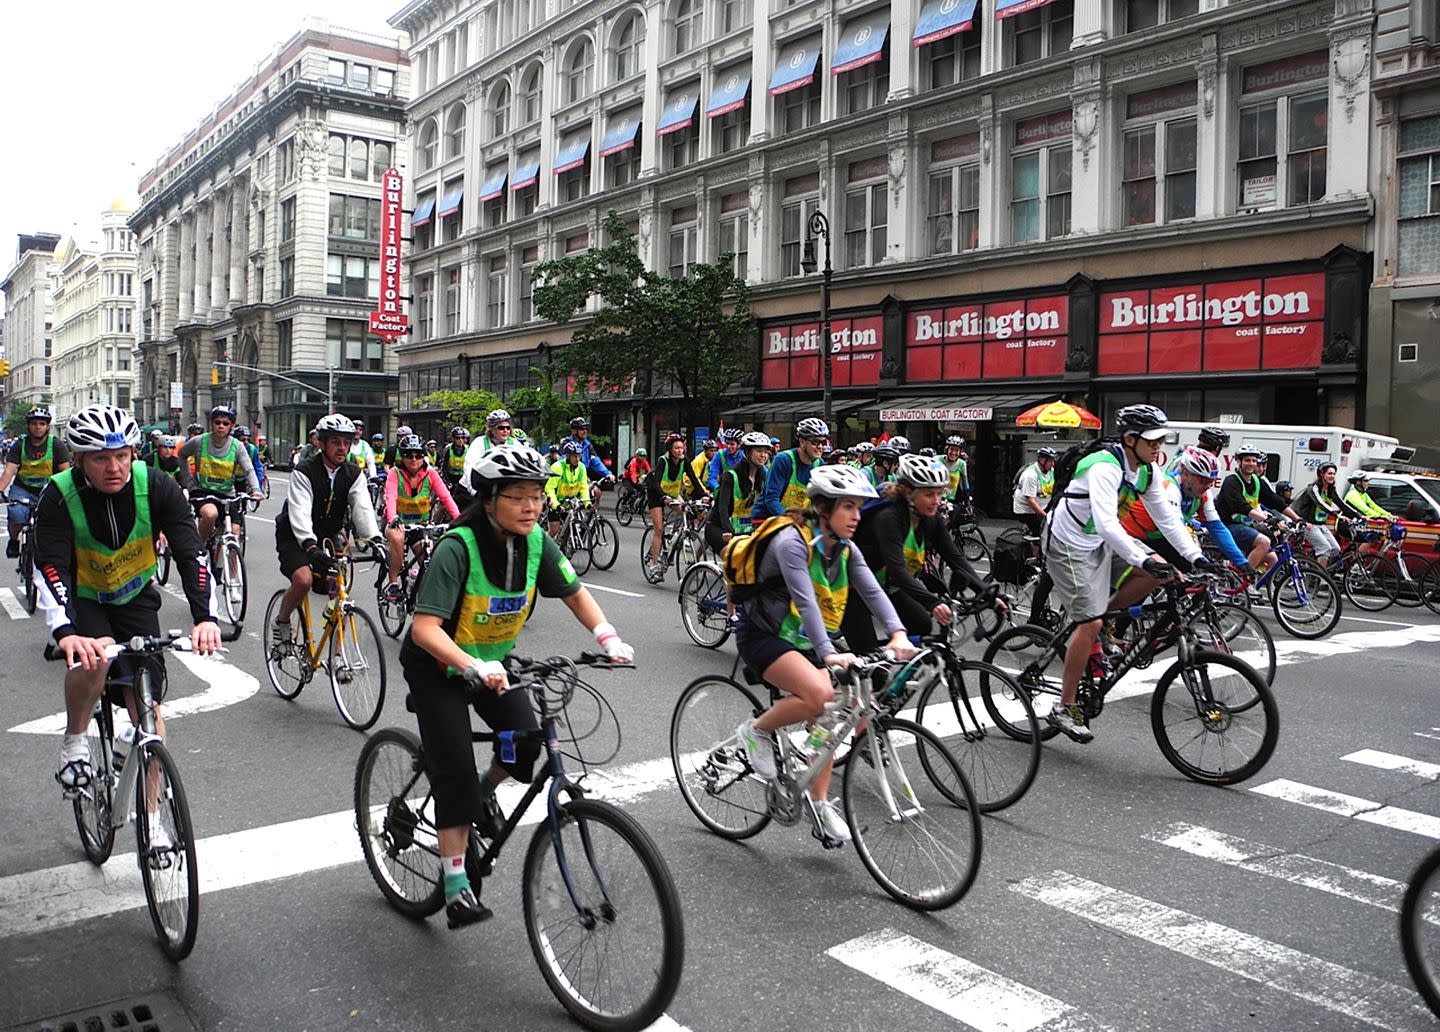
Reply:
x=451, y=204
x=621, y=134
x=1010, y=8
x=862, y=41
x=728, y=95
x=526, y=175
x=572, y=155
x=941, y=18
x=796, y=67
x=492, y=187
x=679, y=110
x=423, y=212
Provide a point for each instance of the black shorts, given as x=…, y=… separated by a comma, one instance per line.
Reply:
x=139, y=616
x=292, y=556
x=759, y=648
x=715, y=538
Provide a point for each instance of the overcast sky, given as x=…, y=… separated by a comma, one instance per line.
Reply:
x=95, y=92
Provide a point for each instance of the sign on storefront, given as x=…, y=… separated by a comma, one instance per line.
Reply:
x=389, y=321
x=938, y=414
x=790, y=353
x=1001, y=340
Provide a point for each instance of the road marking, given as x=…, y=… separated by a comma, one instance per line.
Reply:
x=1389, y=761
x=956, y=987
x=226, y=685
x=614, y=591
x=1355, y=994
x=1295, y=868
x=262, y=519
x=1431, y=734
x=1352, y=806
x=10, y=602
x=665, y=1023
x=1388, y=623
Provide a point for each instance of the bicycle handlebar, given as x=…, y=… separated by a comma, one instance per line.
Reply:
x=172, y=640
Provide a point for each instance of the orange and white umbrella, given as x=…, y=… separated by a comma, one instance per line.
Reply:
x=1059, y=414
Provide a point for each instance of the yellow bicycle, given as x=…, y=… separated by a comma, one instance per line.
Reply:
x=349, y=649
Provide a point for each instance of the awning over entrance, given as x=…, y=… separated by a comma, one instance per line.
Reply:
x=771, y=411
x=968, y=409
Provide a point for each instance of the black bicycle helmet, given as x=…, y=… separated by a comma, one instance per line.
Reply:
x=1137, y=419
x=579, y=423
x=1214, y=439
x=39, y=412
x=222, y=410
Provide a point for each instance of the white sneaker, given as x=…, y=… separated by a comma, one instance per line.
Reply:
x=75, y=770
x=759, y=749
x=832, y=823
x=162, y=846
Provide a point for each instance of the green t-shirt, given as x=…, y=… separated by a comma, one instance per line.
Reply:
x=444, y=580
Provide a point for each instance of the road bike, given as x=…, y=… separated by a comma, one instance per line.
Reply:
x=704, y=606
x=1213, y=715
x=133, y=774
x=25, y=567
x=585, y=536
x=349, y=650
x=629, y=503
x=1376, y=580
x=683, y=542
x=396, y=606
x=255, y=503
x=966, y=531
x=1420, y=928
x=226, y=550
x=601, y=910
x=1304, y=598
x=916, y=825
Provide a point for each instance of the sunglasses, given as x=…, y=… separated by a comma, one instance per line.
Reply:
x=412, y=455
x=221, y=422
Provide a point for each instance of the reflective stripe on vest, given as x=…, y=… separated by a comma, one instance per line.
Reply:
x=831, y=594
x=34, y=473
x=216, y=474
x=111, y=576
x=795, y=496
x=489, y=619
x=413, y=507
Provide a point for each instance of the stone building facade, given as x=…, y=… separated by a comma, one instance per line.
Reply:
x=29, y=289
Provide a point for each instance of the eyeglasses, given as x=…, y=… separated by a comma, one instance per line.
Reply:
x=816, y=440
x=534, y=501
x=221, y=422
x=503, y=426
x=412, y=455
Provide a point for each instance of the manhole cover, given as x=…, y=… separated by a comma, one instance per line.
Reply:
x=157, y=1012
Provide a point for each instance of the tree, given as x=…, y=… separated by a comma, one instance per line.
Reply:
x=463, y=408
x=15, y=418
x=694, y=333
x=553, y=411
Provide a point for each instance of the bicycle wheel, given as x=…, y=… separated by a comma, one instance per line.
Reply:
x=1430, y=586
x=234, y=592
x=395, y=817
x=604, y=544
x=1371, y=582
x=710, y=765
x=1000, y=767
x=1420, y=929
x=972, y=547
x=1409, y=592
x=603, y=916
x=392, y=610
x=1032, y=665
x=357, y=668
x=1240, y=633
x=287, y=663
x=1305, y=600
x=1199, y=725
x=655, y=574
x=162, y=565
x=702, y=606
x=167, y=866
x=914, y=838
x=94, y=804
x=689, y=552
x=27, y=577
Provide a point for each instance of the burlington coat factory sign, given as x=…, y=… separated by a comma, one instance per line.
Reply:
x=790, y=353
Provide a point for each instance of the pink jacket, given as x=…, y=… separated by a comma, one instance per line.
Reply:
x=437, y=488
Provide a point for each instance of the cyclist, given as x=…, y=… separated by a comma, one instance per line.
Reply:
x=700, y=465
x=308, y=450
x=568, y=479
x=1246, y=499
x=894, y=537
x=360, y=451
x=1317, y=505
x=791, y=469
x=807, y=576
x=193, y=430
x=957, y=468
x=410, y=496
x=430, y=455
x=499, y=431
x=493, y=562
x=219, y=462
x=377, y=451
x=727, y=459
x=1084, y=527
x=325, y=492
x=455, y=462
x=900, y=444
x=31, y=461
x=1189, y=480
x=167, y=460
x=665, y=486
x=638, y=468
x=739, y=487
x=864, y=454
x=242, y=434
x=882, y=467
x=1358, y=498
x=391, y=458
x=1033, y=486
x=580, y=434
x=1286, y=491
x=152, y=444
x=262, y=447
x=94, y=557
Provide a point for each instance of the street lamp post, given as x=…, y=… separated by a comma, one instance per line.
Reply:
x=820, y=227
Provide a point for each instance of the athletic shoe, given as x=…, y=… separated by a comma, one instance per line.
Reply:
x=465, y=909
x=12, y=549
x=162, y=846
x=1070, y=720
x=75, y=770
x=280, y=634
x=759, y=749
x=830, y=823
x=492, y=822
x=393, y=593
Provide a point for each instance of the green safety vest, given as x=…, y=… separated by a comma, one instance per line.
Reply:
x=1128, y=492
x=572, y=479
x=957, y=473
x=35, y=473
x=489, y=620
x=1251, y=494
x=795, y=496
x=669, y=487
x=111, y=577
x=914, y=550
x=741, y=510
x=455, y=464
x=830, y=593
x=412, y=508
x=217, y=475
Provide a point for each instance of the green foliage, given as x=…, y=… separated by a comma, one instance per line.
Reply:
x=462, y=408
x=553, y=411
x=15, y=418
x=694, y=332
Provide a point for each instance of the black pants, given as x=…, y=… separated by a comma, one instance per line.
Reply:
x=440, y=709
x=1033, y=521
x=858, y=625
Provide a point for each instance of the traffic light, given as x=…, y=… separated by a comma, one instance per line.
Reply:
x=214, y=376
x=4, y=367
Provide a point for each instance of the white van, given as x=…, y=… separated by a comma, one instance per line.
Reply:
x=1294, y=453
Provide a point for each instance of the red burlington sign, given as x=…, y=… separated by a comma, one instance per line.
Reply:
x=790, y=354
x=388, y=321
x=1002, y=340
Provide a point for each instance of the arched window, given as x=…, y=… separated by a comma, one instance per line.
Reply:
x=500, y=110
x=429, y=144
x=628, y=48
x=379, y=159
x=359, y=159
x=578, y=72
x=688, y=14
x=337, y=156
x=455, y=132
x=531, y=90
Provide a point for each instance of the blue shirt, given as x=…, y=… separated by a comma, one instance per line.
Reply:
x=768, y=504
x=722, y=461
x=588, y=458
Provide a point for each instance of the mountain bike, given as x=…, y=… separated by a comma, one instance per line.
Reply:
x=586, y=537
x=1420, y=928
x=704, y=606
x=683, y=542
x=601, y=911
x=396, y=607
x=227, y=563
x=26, y=565
x=629, y=503
x=135, y=774
x=1303, y=596
x=1376, y=580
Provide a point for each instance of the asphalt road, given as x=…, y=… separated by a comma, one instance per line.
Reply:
x=1116, y=894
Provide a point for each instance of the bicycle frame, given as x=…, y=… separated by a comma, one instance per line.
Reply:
x=334, y=625
x=123, y=785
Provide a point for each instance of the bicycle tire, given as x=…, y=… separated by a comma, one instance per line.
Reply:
x=1289, y=606
x=361, y=699
x=1409, y=594
x=288, y=666
x=162, y=566
x=1369, y=585
x=1027, y=656
x=594, y=869
x=973, y=548
x=392, y=611
x=1429, y=582
x=95, y=805
x=176, y=923
x=604, y=544
x=399, y=843
x=709, y=765
x=656, y=575
x=872, y=813
x=1226, y=627
x=233, y=583
x=27, y=574
x=690, y=551
x=707, y=625
x=580, y=555
x=625, y=511
x=999, y=766
x=1216, y=720
x=1418, y=908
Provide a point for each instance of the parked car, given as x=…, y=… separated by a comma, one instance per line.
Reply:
x=1415, y=498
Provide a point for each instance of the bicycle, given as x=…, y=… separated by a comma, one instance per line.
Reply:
x=350, y=649
x=584, y=532
x=255, y=503
x=394, y=609
x=1374, y=581
x=25, y=566
x=580, y=884
x=1197, y=702
x=885, y=809
x=967, y=533
x=683, y=542
x=119, y=791
x=227, y=563
x=1419, y=919
x=1303, y=596
x=704, y=605
x=629, y=503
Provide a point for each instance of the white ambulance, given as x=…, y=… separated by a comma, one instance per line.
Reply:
x=1294, y=453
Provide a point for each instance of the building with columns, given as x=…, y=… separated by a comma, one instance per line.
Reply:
x=1026, y=199
x=258, y=242
x=29, y=289
x=94, y=318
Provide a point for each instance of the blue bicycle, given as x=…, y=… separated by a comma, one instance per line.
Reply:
x=1303, y=596
x=704, y=609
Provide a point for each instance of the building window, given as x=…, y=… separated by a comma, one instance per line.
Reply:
x=429, y=144
x=452, y=301
x=683, y=241
x=354, y=218
x=531, y=89
x=500, y=111
x=734, y=232
x=681, y=147
x=622, y=167
x=865, y=87
x=801, y=198
x=866, y=213
x=335, y=72
x=1283, y=132
x=735, y=14
x=1041, y=33
x=352, y=276
x=497, y=285
x=336, y=159
x=578, y=71
x=732, y=130
x=359, y=159
x=424, y=307
x=629, y=49
x=955, y=58
x=287, y=277
x=800, y=109
x=687, y=24
x=529, y=258
x=455, y=132
x=348, y=345
x=1040, y=179
x=384, y=81
x=360, y=76
x=1419, y=175
x=284, y=342
x=1158, y=163
x=1146, y=14
x=285, y=161
x=379, y=160
x=575, y=183
x=953, y=215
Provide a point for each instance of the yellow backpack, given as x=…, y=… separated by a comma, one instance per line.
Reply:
x=741, y=558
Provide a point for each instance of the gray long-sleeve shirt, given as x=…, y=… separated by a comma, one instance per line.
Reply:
x=191, y=449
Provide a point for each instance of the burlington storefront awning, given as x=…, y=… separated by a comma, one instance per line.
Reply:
x=941, y=18
x=796, y=67
x=728, y=95
x=772, y=411
x=862, y=41
x=526, y=175
x=975, y=408
x=572, y=155
x=424, y=211
x=452, y=202
x=1010, y=8
x=679, y=110
x=493, y=187
x=621, y=134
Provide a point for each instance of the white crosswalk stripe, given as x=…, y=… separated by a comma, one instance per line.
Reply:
x=11, y=603
x=1389, y=761
x=1366, y=810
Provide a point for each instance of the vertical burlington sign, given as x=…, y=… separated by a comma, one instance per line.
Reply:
x=388, y=321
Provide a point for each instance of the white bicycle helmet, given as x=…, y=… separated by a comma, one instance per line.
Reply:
x=812, y=426
x=1359, y=476
x=514, y=462
x=754, y=439
x=919, y=471
x=335, y=423
x=403, y=432
x=496, y=417
x=101, y=427
x=954, y=441
x=864, y=448
x=839, y=481
x=900, y=444
x=1197, y=461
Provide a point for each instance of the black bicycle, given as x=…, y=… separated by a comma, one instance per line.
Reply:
x=601, y=911
x=26, y=566
x=1420, y=929
x=396, y=606
x=629, y=503
x=227, y=562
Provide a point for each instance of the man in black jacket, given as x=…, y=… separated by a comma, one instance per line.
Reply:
x=1246, y=498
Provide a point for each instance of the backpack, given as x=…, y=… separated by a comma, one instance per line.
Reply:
x=1007, y=561
x=740, y=559
x=1065, y=466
